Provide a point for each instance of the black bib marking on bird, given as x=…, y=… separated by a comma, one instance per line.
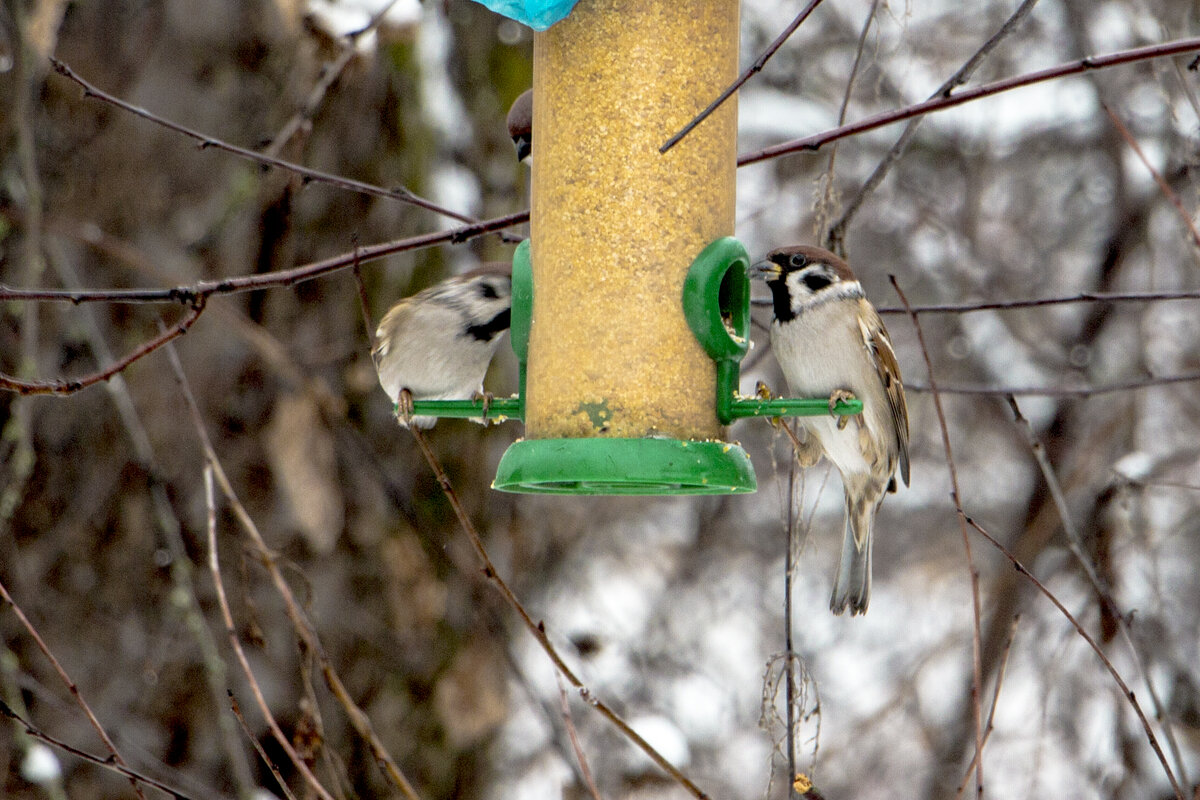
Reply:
x=492, y=328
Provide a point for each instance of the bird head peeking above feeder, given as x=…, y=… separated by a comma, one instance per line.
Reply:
x=520, y=126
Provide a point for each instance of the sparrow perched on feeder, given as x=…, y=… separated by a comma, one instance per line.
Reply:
x=830, y=342
x=439, y=342
x=520, y=125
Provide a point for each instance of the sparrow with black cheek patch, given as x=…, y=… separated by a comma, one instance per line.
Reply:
x=520, y=125
x=830, y=342
x=439, y=342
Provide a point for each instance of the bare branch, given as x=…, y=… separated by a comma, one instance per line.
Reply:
x=303, y=627
x=973, y=571
x=565, y=708
x=1108, y=665
x=109, y=763
x=1163, y=186
x=1057, y=391
x=837, y=232
x=402, y=194
x=189, y=294
x=753, y=69
x=71, y=686
x=1100, y=586
x=64, y=387
x=819, y=140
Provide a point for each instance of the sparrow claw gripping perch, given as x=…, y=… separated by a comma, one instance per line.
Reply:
x=404, y=406
x=840, y=396
x=485, y=398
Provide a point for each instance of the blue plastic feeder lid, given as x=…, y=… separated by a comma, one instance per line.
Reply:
x=537, y=14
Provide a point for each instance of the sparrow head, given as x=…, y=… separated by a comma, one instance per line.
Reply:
x=802, y=277
x=520, y=125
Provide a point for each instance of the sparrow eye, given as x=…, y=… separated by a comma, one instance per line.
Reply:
x=816, y=281
x=797, y=260
x=487, y=292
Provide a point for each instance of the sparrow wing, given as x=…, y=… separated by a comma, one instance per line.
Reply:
x=875, y=337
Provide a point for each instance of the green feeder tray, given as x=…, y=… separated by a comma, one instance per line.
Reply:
x=598, y=466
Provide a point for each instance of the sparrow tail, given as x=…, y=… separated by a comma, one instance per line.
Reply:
x=852, y=586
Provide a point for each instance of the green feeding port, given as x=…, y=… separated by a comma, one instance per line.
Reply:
x=716, y=303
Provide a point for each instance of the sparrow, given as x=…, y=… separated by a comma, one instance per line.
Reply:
x=830, y=342
x=439, y=342
x=520, y=126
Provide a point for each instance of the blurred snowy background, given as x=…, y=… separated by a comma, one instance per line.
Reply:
x=670, y=610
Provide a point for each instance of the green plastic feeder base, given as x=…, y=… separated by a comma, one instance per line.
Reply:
x=624, y=467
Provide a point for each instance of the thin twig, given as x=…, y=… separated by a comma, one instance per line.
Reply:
x=837, y=232
x=402, y=194
x=958, y=308
x=70, y=684
x=751, y=70
x=364, y=303
x=189, y=293
x=1108, y=665
x=109, y=763
x=1100, y=586
x=789, y=573
x=214, y=567
x=1058, y=391
x=991, y=717
x=329, y=75
x=65, y=386
x=825, y=204
x=266, y=759
x=565, y=708
x=538, y=629
x=973, y=571
x=816, y=141
x=303, y=627
x=198, y=293
x=1163, y=186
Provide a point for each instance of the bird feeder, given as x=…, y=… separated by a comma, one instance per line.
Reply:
x=631, y=302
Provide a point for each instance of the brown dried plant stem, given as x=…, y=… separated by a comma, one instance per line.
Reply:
x=76, y=695
x=538, y=629
x=231, y=631
x=303, y=627
x=258, y=748
x=816, y=141
x=973, y=571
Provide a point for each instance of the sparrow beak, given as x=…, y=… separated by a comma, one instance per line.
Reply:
x=524, y=147
x=764, y=270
